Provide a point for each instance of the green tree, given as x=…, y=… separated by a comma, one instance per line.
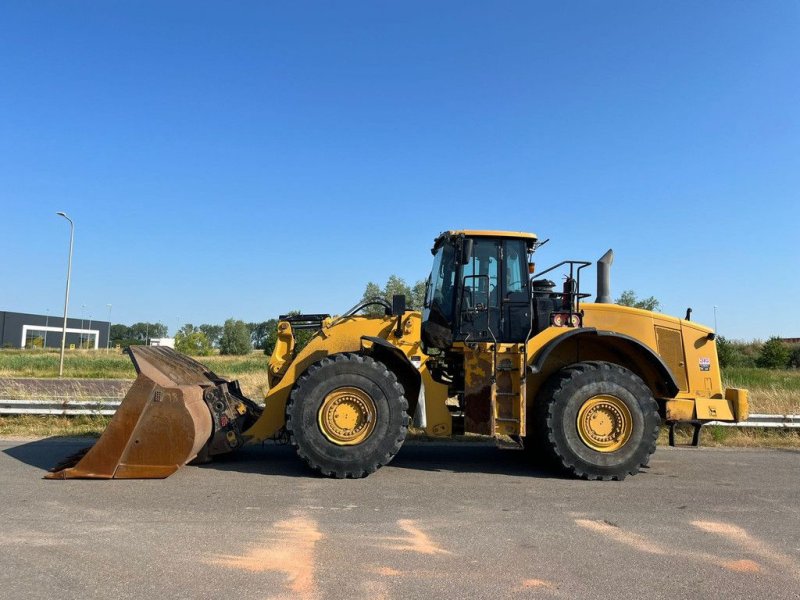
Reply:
x=144, y=331
x=194, y=343
x=270, y=337
x=212, y=332
x=394, y=285
x=418, y=295
x=188, y=329
x=373, y=290
x=774, y=354
x=629, y=298
x=120, y=334
x=260, y=333
x=235, y=338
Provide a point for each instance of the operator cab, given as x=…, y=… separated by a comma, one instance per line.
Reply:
x=479, y=289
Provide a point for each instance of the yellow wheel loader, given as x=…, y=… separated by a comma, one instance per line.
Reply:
x=497, y=350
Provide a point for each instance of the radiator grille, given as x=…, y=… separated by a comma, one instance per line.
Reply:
x=670, y=347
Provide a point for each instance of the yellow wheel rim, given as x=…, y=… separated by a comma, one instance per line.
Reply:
x=347, y=416
x=604, y=423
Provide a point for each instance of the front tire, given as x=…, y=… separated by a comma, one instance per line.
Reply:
x=596, y=420
x=347, y=416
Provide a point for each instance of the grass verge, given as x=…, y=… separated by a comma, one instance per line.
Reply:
x=714, y=436
x=49, y=426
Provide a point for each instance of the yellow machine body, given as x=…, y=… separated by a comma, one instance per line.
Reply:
x=685, y=347
x=178, y=410
x=340, y=336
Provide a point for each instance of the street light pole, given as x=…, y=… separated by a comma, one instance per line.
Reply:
x=46, y=325
x=715, y=318
x=108, y=337
x=66, y=295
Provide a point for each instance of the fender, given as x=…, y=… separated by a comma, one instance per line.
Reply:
x=396, y=361
x=664, y=372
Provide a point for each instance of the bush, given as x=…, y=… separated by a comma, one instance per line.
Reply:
x=235, y=338
x=718, y=434
x=734, y=353
x=193, y=344
x=794, y=357
x=774, y=354
x=726, y=352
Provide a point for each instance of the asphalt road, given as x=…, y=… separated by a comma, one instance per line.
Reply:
x=449, y=521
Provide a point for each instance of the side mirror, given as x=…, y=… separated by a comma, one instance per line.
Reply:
x=466, y=251
x=398, y=305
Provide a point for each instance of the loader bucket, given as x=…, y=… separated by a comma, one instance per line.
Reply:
x=162, y=423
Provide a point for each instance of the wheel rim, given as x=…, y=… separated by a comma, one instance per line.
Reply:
x=604, y=423
x=347, y=416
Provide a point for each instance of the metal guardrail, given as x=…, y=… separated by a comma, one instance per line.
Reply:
x=762, y=420
x=63, y=407
x=107, y=407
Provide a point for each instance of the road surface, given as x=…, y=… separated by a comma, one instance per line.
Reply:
x=447, y=521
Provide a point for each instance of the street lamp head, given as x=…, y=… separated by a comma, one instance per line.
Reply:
x=63, y=214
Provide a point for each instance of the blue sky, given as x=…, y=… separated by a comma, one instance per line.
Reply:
x=247, y=158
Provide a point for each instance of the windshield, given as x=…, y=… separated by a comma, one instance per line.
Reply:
x=440, y=300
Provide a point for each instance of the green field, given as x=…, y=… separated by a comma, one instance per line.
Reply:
x=94, y=364
x=752, y=379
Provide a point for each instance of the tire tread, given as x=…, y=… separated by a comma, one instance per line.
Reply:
x=552, y=393
x=368, y=467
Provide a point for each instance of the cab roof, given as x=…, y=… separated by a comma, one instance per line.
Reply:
x=493, y=233
x=530, y=238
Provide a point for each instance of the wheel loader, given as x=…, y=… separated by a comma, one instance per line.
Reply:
x=497, y=350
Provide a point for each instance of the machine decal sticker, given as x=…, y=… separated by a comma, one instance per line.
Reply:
x=705, y=363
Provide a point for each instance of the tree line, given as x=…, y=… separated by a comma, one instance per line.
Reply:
x=241, y=337
x=232, y=335
x=772, y=354
x=138, y=333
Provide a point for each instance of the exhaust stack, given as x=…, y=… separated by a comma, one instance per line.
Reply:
x=604, y=278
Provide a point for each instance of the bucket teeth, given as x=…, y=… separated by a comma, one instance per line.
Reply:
x=68, y=462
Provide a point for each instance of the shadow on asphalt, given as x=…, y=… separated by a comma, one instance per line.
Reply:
x=48, y=452
x=469, y=458
x=275, y=459
x=264, y=459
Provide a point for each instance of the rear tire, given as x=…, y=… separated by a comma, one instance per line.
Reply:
x=596, y=420
x=368, y=431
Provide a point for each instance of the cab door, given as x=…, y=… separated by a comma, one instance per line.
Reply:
x=515, y=300
x=479, y=298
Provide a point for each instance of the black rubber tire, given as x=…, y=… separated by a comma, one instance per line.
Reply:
x=555, y=421
x=391, y=425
